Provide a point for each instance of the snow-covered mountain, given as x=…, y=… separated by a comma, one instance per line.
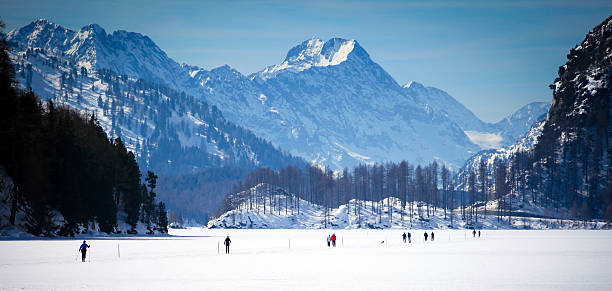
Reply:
x=341, y=108
x=527, y=143
x=168, y=130
x=327, y=101
x=91, y=47
x=487, y=135
x=513, y=127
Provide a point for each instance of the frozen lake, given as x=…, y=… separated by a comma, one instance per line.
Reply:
x=300, y=259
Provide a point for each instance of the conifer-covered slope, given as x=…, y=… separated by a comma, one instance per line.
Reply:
x=168, y=130
x=181, y=137
x=564, y=162
x=575, y=146
x=61, y=175
x=327, y=101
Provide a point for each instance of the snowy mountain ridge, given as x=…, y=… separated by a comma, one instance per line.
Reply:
x=166, y=129
x=327, y=101
x=313, y=53
x=123, y=52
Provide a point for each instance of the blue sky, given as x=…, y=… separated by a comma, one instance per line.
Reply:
x=493, y=56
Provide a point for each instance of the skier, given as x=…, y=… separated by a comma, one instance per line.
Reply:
x=425, y=236
x=432, y=236
x=227, y=243
x=474, y=233
x=409, y=238
x=479, y=233
x=333, y=240
x=404, y=237
x=83, y=250
x=328, y=240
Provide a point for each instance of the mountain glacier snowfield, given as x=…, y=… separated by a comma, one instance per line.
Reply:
x=193, y=259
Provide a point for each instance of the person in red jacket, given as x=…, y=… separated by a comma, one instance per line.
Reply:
x=333, y=239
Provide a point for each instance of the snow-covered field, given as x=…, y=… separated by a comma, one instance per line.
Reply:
x=301, y=260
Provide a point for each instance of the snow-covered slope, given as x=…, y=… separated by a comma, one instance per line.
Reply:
x=338, y=107
x=514, y=126
x=285, y=211
x=123, y=52
x=327, y=101
x=167, y=129
x=487, y=135
x=526, y=143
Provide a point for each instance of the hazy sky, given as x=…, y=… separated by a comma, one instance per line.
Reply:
x=493, y=56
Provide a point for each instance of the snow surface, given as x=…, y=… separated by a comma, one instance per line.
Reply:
x=300, y=260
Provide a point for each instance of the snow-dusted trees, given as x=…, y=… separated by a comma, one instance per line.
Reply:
x=364, y=188
x=500, y=186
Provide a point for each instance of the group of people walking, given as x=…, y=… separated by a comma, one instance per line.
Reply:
x=331, y=240
x=426, y=235
x=408, y=236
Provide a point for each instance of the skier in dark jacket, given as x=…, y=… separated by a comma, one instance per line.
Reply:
x=425, y=235
x=479, y=233
x=409, y=238
x=83, y=250
x=432, y=236
x=227, y=243
x=474, y=233
x=404, y=237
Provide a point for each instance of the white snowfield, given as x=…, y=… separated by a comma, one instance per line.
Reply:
x=301, y=260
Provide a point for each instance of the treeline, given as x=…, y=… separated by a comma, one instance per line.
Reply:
x=63, y=165
x=421, y=190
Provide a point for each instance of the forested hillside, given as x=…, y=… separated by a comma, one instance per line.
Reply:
x=62, y=175
x=564, y=163
x=420, y=190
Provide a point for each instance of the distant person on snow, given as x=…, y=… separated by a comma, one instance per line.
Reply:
x=474, y=233
x=425, y=235
x=479, y=233
x=432, y=236
x=404, y=237
x=83, y=250
x=333, y=240
x=227, y=243
x=409, y=238
x=328, y=240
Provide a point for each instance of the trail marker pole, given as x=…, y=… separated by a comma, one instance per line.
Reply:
x=218, y=250
x=118, y=252
x=342, y=241
x=289, y=243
